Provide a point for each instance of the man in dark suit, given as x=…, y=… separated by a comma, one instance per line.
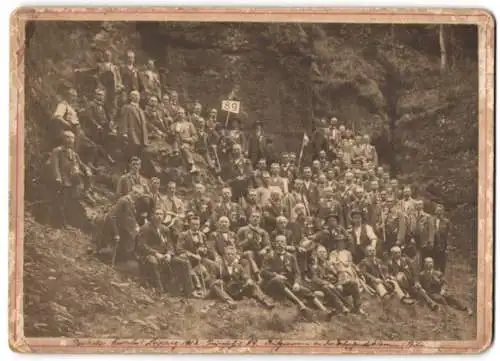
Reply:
x=253, y=241
x=191, y=255
x=377, y=276
x=281, y=277
x=442, y=229
x=401, y=271
x=133, y=177
x=234, y=281
x=132, y=127
x=155, y=250
x=256, y=144
x=220, y=239
x=434, y=284
x=310, y=189
x=129, y=74
x=121, y=226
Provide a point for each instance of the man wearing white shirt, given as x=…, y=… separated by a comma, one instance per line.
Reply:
x=362, y=235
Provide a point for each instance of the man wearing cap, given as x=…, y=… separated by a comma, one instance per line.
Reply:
x=442, y=229
x=132, y=127
x=434, y=284
x=253, y=241
x=68, y=178
x=155, y=250
x=333, y=231
x=377, y=277
x=362, y=235
x=401, y=271
x=133, y=177
x=281, y=277
x=357, y=201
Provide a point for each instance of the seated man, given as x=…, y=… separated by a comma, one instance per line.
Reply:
x=434, y=284
x=220, y=239
x=174, y=206
x=376, y=275
x=127, y=180
x=401, y=271
x=201, y=205
x=362, y=235
x=348, y=278
x=281, y=277
x=191, y=254
x=227, y=208
x=155, y=250
x=324, y=278
x=120, y=227
x=282, y=229
x=253, y=240
x=233, y=281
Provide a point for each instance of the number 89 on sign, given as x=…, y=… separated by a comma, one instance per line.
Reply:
x=231, y=106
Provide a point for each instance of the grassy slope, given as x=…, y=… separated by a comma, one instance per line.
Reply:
x=70, y=293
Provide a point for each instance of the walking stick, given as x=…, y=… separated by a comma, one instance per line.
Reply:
x=115, y=251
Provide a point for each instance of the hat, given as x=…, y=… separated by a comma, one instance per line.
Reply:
x=330, y=215
x=356, y=211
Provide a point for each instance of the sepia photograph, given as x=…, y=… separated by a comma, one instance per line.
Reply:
x=215, y=180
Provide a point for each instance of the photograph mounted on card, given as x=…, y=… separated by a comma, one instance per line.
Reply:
x=209, y=180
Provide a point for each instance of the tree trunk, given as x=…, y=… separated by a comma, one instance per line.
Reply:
x=442, y=47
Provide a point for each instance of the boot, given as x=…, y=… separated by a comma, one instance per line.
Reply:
x=432, y=305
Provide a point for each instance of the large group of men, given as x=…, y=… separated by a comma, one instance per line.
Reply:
x=318, y=227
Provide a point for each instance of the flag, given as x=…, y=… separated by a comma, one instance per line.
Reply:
x=305, y=140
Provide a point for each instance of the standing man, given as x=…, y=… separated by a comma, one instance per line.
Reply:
x=132, y=127
x=150, y=80
x=110, y=78
x=186, y=136
x=68, y=177
x=442, y=229
x=257, y=144
x=310, y=190
x=129, y=74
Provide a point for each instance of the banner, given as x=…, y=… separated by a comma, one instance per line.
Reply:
x=231, y=106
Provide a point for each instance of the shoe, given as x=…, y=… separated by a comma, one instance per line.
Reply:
x=360, y=311
x=407, y=301
x=469, y=312
x=197, y=294
x=434, y=307
x=232, y=305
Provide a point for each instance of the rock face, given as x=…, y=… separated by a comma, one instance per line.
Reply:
x=384, y=80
